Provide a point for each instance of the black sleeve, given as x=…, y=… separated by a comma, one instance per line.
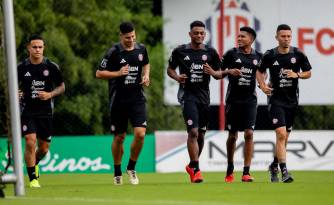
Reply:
x=264, y=62
x=304, y=62
x=227, y=60
x=145, y=57
x=57, y=77
x=216, y=63
x=19, y=73
x=106, y=62
x=173, y=62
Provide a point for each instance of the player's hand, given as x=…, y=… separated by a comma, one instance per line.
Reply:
x=182, y=78
x=124, y=70
x=290, y=74
x=266, y=89
x=234, y=72
x=207, y=69
x=20, y=94
x=44, y=95
x=145, y=80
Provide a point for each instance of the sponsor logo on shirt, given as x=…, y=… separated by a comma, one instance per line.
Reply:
x=123, y=61
x=293, y=60
x=275, y=63
x=140, y=57
x=238, y=60
x=27, y=74
x=46, y=73
x=186, y=58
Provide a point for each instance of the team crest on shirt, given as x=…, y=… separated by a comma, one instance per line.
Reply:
x=189, y=122
x=293, y=60
x=46, y=73
x=275, y=121
x=112, y=128
x=24, y=128
x=255, y=62
x=204, y=57
x=140, y=57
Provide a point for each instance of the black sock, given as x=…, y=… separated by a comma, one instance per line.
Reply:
x=131, y=165
x=117, y=170
x=246, y=171
x=31, y=173
x=275, y=162
x=39, y=157
x=283, y=167
x=230, y=168
x=195, y=165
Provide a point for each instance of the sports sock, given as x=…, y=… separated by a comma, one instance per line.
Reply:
x=230, y=168
x=117, y=170
x=275, y=162
x=283, y=167
x=131, y=165
x=195, y=165
x=246, y=171
x=31, y=173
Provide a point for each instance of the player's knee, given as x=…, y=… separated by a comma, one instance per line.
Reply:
x=30, y=143
x=193, y=133
x=248, y=135
x=119, y=139
x=140, y=136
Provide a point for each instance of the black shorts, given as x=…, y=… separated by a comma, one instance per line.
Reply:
x=41, y=125
x=240, y=117
x=282, y=116
x=121, y=113
x=196, y=115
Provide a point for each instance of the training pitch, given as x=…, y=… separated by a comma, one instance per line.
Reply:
x=314, y=188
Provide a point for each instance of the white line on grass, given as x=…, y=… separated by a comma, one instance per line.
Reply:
x=135, y=201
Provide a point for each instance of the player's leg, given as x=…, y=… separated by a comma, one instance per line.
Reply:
x=248, y=154
x=29, y=132
x=230, y=147
x=277, y=116
x=44, y=132
x=119, y=123
x=191, y=117
x=203, y=121
x=138, y=120
x=248, y=119
x=232, y=125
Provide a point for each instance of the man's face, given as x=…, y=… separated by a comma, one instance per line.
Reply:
x=244, y=39
x=128, y=39
x=284, y=38
x=197, y=35
x=36, y=48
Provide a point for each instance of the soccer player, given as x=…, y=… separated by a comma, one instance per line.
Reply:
x=40, y=80
x=126, y=67
x=240, y=65
x=286, y=64
x=191, y=59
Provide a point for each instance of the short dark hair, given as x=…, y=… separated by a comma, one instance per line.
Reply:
x=197, y=24
x=249, y=30
x=35, y=37
x=283, y=27
x=126, y=27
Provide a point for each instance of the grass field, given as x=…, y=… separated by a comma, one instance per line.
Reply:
x=314, y=188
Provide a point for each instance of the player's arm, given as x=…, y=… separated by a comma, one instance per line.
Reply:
x=106, y=74
x=301, y=75
x=217, y=74
x=261, y=79
x=173, y=74
x=55, y=92
x=146, y=75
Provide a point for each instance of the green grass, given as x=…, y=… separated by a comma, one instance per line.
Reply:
x=174, y=189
